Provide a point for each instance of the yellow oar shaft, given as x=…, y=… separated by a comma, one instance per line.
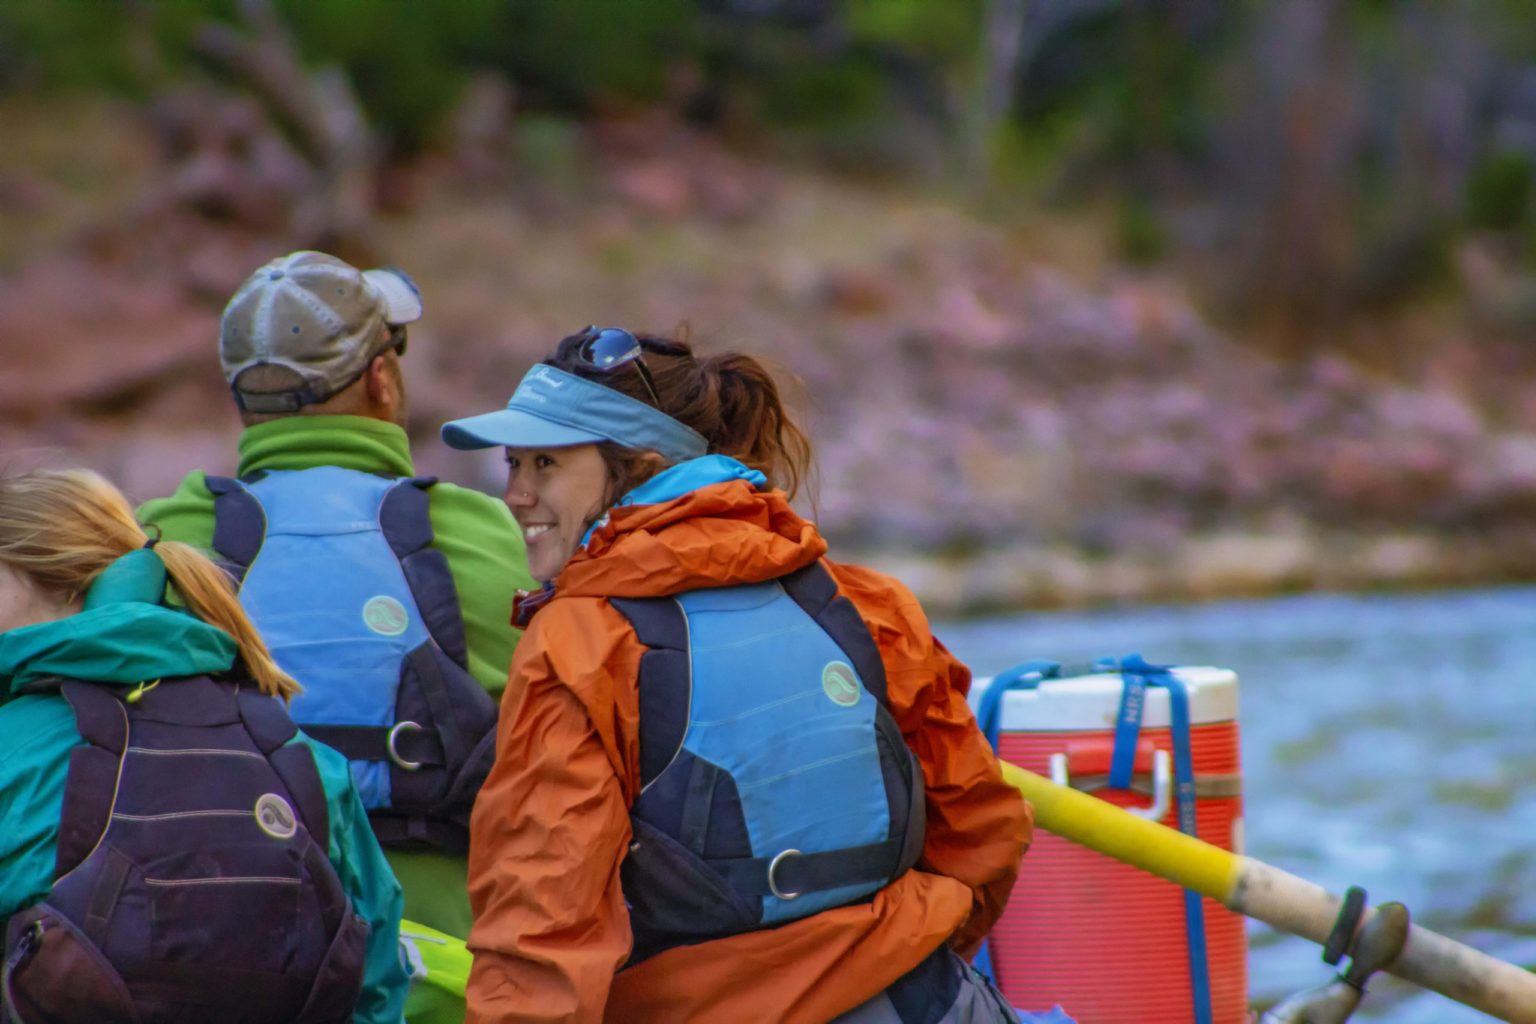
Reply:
x=1270, y=895
x=1088, y=821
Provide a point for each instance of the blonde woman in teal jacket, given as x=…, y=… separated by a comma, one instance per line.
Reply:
x=82, y=604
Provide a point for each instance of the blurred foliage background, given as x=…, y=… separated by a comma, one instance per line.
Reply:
x=1315, y=161
x=1342, y=190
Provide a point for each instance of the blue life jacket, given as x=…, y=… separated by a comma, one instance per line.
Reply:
x=775, y=783
x=191, y=880
x=337, y=574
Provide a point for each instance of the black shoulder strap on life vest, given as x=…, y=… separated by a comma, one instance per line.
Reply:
x=239, y=524
x=405, y=519
x=815, y=591
x=102, y=722
x=660, y=625
x=295, y=765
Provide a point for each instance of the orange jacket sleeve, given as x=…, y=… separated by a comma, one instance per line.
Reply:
x=978, y=825
x=548, y=832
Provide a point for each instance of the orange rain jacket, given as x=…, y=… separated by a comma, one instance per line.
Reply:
x=551, y=824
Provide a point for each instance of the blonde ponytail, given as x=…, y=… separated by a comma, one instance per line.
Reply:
x=210, y=595
x=62, y=528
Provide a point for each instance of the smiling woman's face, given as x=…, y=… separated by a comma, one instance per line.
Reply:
x=555, y=494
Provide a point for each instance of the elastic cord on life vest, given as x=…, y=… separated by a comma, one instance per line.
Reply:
x=1137, y=675
x=140, y=690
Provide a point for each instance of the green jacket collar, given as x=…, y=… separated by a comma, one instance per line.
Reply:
x=305, y=442
x=122, y=635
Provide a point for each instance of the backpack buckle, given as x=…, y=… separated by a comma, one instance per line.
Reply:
x=394, y=752
x=773, y=866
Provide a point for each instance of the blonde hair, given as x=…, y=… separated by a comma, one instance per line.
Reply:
x=60, y=529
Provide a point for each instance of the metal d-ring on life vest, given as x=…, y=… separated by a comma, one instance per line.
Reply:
x=336, y=572
x=775, y=783
x=191, y=879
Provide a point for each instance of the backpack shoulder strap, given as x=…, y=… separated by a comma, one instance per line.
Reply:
x=239, y=523
x=405, y=519
x=90, y=788
x=666, y=678
x=271, y=728
x=815, y=591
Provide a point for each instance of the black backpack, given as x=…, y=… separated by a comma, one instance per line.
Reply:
x=191, y=882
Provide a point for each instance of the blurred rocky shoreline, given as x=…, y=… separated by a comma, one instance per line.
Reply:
x=1001, y=427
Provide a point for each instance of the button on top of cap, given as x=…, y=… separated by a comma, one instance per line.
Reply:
x=275, y=275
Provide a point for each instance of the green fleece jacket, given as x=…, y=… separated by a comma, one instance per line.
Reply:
x=474, y=531
x=124, y=636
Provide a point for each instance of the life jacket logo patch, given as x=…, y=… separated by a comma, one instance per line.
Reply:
x=385, y=615
x=840, y=684
x=275, y=816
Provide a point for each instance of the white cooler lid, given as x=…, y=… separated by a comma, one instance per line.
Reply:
x=1091, y=702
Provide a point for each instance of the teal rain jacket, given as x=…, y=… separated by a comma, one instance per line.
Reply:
x=124, y=635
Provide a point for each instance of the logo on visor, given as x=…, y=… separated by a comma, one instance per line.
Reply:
x=539, y=380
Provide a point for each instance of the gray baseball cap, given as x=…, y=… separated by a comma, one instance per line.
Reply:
x=315, y=316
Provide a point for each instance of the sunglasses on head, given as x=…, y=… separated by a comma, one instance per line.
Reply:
x=397, y=339
x=608, y=348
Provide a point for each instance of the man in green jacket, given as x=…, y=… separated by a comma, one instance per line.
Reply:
x=312, y=351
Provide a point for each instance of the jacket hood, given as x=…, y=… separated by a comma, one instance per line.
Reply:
x=123, y=634
x=717, y=535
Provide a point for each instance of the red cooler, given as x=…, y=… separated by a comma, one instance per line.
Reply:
x=1107, y=941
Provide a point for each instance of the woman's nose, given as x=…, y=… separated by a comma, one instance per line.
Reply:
x=517, y=494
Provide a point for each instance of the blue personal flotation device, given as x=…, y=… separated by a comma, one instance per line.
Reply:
x=192, y=881
x=336, y=571
x=775, y=783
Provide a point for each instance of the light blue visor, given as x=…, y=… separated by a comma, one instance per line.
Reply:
x=555, y=409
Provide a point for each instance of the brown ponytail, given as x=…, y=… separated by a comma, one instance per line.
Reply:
x=752, y=426
x=731, y=399
x=62, y=528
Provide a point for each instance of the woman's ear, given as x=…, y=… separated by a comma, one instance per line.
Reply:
x=651, y=463
x=646, y=465
x=638, y=468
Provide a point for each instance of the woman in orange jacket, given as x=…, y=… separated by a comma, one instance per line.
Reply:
x=734, y=781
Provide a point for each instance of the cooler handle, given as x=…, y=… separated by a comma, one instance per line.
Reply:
x=1162, y=784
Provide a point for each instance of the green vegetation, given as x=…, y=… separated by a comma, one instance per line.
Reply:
x=1499, y=192
x=1318, y=161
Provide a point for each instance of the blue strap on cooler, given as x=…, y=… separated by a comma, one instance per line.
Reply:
x=1137, y=675
x=1025, y=676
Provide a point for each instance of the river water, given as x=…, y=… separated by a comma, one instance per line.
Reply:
x=1388, y=741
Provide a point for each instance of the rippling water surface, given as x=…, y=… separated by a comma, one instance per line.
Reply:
x=1387, y=742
